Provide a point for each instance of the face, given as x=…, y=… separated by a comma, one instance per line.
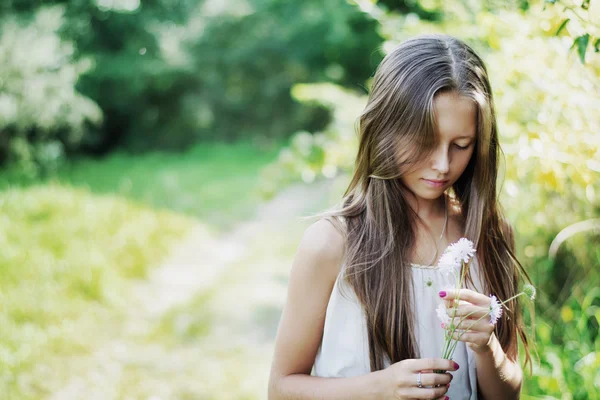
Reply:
x=456, y=130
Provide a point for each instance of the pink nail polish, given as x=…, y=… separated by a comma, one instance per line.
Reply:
x=456, y=365
x=443, y=325
x=442, y=293
x=446, y=398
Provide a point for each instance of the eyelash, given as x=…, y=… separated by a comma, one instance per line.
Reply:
x=461, y=147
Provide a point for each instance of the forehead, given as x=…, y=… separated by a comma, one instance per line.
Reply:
x=456, y=116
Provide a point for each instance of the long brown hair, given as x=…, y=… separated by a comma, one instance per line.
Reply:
x=396, y=130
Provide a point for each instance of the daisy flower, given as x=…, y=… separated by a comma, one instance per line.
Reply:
x=462, y=250
x=447, y=262
x=495, y=310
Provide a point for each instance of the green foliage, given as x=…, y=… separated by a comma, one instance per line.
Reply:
x=67, y=258
x=322, y=154
x=241, y=68
x=567, y=324
x=582, y=19
x=166, y=77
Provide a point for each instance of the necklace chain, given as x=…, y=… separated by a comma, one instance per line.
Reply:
x=443, y=231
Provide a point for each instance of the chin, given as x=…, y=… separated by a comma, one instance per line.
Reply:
x=430, y=195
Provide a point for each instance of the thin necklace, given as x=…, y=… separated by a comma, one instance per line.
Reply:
x=442, y=234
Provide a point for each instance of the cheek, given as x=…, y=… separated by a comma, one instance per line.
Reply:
x=462, y=160
x=411, y=172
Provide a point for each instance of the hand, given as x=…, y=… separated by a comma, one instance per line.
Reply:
x=402, y=378
x=475, y=330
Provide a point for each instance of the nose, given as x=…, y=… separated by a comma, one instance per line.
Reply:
x=440, y=160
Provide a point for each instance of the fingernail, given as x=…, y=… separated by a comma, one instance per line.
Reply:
x=443, y=325
x=446, y=398
x=442, y=294
x=456, y=365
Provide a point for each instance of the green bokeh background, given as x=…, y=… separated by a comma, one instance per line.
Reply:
x=169, y=147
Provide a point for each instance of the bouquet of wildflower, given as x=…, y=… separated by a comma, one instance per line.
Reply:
x=456, y=257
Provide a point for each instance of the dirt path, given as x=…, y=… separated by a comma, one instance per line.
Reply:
x=202, y=325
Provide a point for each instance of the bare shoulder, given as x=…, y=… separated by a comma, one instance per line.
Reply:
x=319, y=254
x=322, y=241
x=312, y=277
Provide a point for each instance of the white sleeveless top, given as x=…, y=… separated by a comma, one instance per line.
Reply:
x=344, y=349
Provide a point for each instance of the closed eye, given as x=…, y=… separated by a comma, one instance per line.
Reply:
x=462, y=147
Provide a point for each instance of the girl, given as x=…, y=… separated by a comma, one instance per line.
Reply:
x=360, y=320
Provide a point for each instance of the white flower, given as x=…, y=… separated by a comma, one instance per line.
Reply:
x=448, y=267
x=447, y=262
x=462, y=250
x=443, y=314
x=495, y=310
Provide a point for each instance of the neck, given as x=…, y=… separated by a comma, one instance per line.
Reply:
x=428, y=209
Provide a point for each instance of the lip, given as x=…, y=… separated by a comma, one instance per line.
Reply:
x=435, y=183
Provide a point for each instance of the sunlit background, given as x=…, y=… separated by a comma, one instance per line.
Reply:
x=156, y=157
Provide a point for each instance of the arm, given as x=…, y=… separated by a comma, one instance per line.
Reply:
x=498, y=376
x=314, y=270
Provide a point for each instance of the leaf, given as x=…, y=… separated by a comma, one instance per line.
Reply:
x=581, y=42
x=562, y=26
x=586, y=4
x=597, y=45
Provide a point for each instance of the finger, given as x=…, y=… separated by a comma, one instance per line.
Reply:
x=435, y=379
x=426, y=393
x=452, y=303
x=483, y=325
x=469, y=311
x=467, y=295
x=476, y=338
x=421, y=364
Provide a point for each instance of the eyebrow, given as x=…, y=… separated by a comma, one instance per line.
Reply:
x=465, y=137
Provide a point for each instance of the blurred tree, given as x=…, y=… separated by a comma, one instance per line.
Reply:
x=427, y=10
x=41, y=113
x=248, y=64
x=167, y=74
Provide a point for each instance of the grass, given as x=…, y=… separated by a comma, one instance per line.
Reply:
x=67, y=259
x=214, y=182
x=72, y=243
